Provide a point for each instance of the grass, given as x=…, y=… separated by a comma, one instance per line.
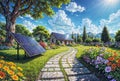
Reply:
x=62, y=69
x=91, y=68
x=31, y=66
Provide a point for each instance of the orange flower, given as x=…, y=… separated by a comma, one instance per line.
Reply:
x=113, y=66
x=111, y=58
x=15, y=77
x=10, y=72
x=1, y=65
x=115, y=54
x=2, y=75
x=118, y=61
x=6, y=68
x=109, y=63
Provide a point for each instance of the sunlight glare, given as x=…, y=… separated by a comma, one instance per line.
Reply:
x=111, y=2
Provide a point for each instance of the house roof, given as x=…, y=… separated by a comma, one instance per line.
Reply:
x=59, y=36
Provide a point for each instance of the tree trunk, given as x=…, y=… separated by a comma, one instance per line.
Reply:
x=10, y=28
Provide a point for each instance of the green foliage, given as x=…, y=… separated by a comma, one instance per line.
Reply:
x=36, y=8
x=117, y=37
x=96, y=40
x=105, y=37
x=31, y=66
x=2, y=30
x=41, y=33
x=23, y=30
x=88, y=40
x=84, y=34
x=79, y=38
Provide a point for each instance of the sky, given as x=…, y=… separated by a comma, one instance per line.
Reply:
x=93, y=14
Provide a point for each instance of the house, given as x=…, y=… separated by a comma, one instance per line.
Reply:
x=62, y=38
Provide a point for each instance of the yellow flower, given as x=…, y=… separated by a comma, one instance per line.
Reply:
x=19, y=68
x=15, y=77
x=19, y=74
x=6, y=68
x=2, y=61
x=10, y=72
x=1, y=65
x=13, y=67
x=11, y=64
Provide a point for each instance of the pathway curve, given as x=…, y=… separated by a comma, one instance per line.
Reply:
x=65, y=67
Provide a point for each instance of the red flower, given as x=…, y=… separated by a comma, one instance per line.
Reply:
x=2, y=75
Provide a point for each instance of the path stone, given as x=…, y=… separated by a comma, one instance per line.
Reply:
x=74, y=70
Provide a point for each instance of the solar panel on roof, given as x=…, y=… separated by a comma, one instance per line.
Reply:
x=29, y=44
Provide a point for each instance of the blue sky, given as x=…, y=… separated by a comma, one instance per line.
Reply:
x=93, y=14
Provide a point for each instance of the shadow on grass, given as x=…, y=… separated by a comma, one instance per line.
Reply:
x=12, y=56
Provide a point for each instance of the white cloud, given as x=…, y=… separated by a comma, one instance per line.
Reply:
x=61, y=23
x=21, y=17
x=29, y=16
x=90, y=27
x=113, y=22
x=73, y=7
x=29, y=25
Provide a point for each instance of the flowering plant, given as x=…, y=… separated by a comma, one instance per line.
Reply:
x=105, y=60
x=10, y=72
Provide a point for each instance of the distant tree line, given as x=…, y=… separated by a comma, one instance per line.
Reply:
x=86, y=38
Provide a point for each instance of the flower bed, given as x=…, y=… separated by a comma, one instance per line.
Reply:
x=105, y=60
x=10, y=72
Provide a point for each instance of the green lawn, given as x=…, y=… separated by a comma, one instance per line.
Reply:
x=91, y=68
x=31, y=66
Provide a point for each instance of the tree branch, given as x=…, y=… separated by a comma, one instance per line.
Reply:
x=16, y=7
x=3, y=7
x=26, y=9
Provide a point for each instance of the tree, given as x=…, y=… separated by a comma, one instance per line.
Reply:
x=41, y=32
x=84, y=34
x=79, y=38
x=88, y=40
x=11, y=9
x=105, y=37
x=23, y=30
x=117, y=36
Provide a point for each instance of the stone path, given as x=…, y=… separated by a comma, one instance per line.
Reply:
x=65, y=67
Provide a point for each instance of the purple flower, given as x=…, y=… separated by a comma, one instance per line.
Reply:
x=113, y=80
x=109, y=76
x=108, y=69
x=99, y=58
x=106, y=61
x=96, y=66
x=97, y=62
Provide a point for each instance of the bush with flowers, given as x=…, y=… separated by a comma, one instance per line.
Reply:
x=105, y=60
x=10, y=72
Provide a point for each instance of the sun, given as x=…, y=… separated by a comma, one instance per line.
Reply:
x=110, y=2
